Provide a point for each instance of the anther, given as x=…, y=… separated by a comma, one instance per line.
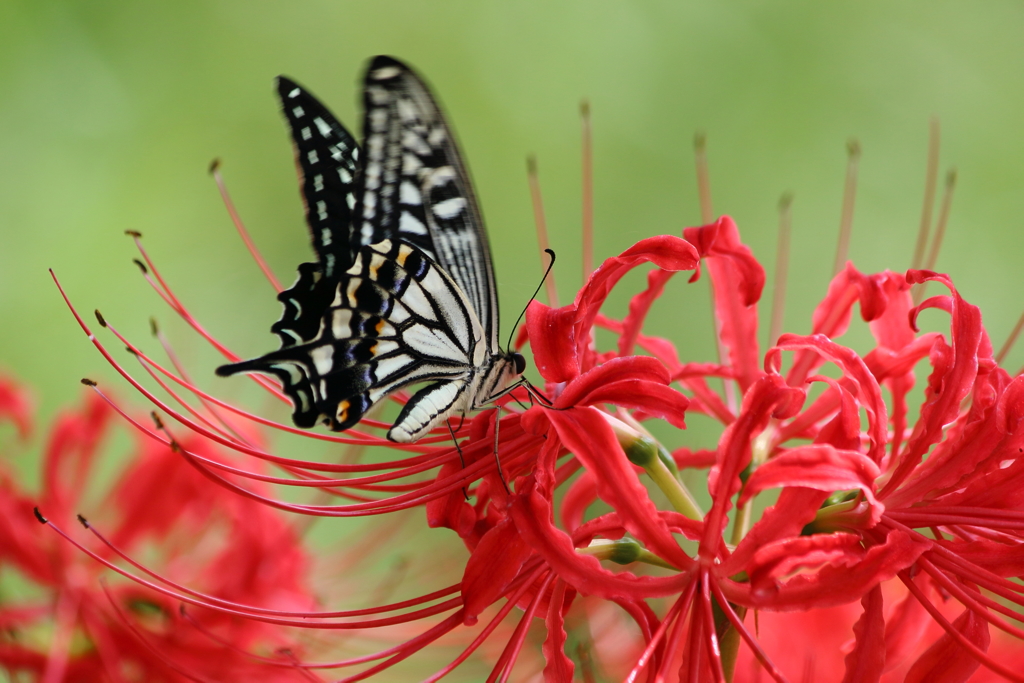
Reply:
x=99, y=318
x=214, y=165
x=141, y=265
x=39, y=516
x=88, y=382
x=83, y=521
x=133, y=233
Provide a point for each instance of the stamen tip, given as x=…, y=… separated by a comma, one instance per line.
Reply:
x=214, y=166
x=700, y=140
x=141, y=265
x=133, y=233
x=531, y=164
x=951, y=177
x=156, y=420
x=88, y=382
x=131, y=350
x=785, y=201
x=585, y=108
x=83, y=521
x=853, y=148
x=153, y=328
x=39, y=516
x=99, y=318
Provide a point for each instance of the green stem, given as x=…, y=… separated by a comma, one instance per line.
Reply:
x=623, y=551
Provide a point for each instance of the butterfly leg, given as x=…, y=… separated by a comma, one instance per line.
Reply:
x=497, y=462
x=462, y=460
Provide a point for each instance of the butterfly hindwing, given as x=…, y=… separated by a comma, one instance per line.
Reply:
x=395, y=318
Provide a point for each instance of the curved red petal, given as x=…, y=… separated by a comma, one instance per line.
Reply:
x=590, y=438
x=818, y=466
x=737, y=281
x=946, y=661
x=553, y=341
x=866, y=661
x=492, y=567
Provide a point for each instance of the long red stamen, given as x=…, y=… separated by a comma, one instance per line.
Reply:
x=508, y=657
x=781, y=268
x=303, y=620
x=930, y=183
x=700, y=158
x=849, y=201
x=587, y=170
x=976, y=652
x=673, y=613
x=541, y=225
x=978, y=603
x=1010, y=341
x=748, y=637
x=240, y=226
x=512, y=601
x=940, y=232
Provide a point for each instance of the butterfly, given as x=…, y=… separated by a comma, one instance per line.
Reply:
x=402, y=291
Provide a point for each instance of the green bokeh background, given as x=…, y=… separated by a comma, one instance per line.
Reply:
x=110, y=113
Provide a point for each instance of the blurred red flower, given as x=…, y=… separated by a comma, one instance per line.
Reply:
x=71, y=622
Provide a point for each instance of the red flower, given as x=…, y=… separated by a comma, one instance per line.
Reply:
x=79, y=625
x=859, y=508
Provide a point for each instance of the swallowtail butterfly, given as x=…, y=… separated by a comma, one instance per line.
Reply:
x=402, y=291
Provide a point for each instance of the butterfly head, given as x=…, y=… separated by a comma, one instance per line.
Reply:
x=518, y=363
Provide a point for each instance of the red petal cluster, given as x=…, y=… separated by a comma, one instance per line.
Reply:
x=77, y=626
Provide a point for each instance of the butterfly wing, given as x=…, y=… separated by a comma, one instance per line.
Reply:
x=327, y=161
x=416, y=300
x=417, y=188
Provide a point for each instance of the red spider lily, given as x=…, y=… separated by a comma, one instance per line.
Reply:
x=74, y=625
x=859, y=508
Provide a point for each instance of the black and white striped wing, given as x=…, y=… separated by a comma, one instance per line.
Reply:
x=417, y=188
x=396, y=318
x=327, y=160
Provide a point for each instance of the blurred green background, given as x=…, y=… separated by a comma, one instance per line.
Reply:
x=110, y=113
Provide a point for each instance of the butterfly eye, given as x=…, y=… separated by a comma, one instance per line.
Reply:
x=520, y=362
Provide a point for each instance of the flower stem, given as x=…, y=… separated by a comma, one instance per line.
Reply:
x=623, y=551
x=644, y=451
x=760, y=450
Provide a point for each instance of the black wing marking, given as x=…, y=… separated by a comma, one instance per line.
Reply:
x=327, y=160
x=395, y=319
x=417, y=188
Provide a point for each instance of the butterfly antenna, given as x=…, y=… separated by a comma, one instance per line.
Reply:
x=551, y=265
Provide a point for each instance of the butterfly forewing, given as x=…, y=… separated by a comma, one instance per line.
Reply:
x=417, y=187
x=327, y=159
